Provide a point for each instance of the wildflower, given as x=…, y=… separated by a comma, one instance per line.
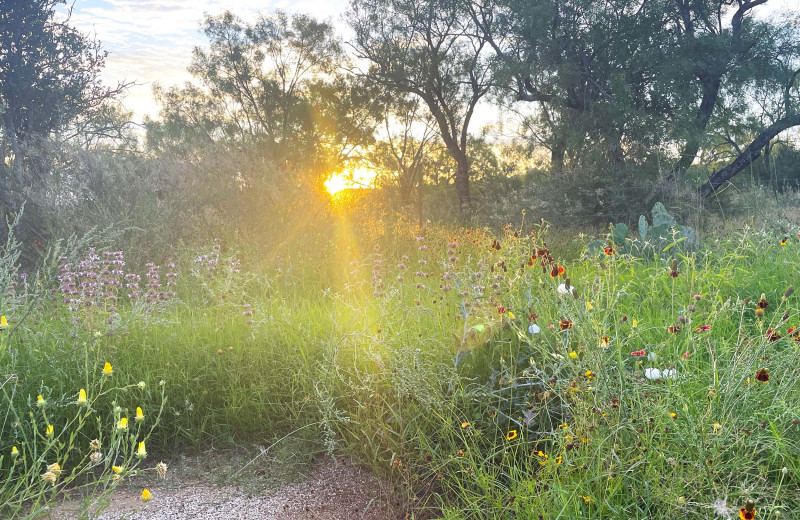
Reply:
x=534, y=329
x=139, y=414
x=82, y=397
x=122, y=424
x=794, y=333
x=772, y=335
x=673, y=415
x=604, y=341
x=511, y=435
x=674, y=329
x=141, y=452
x=588, y=306
x=573, y=355
x=717, y=427
x=762, y=375
x=510, y=315
x=50, y=477
x=142, y=385
x=543, y=458
x=3, y=322
x=14, y=452
x=40, y=401
x=464, y=425
x=49, y=432
x=94, y=445
x=686, y=354
x=117, y=469
x=161, y=470
x=609, y=251
x=589, y=375
x=108, y=369
x=586, y=499
x=669, y=373
x=96, y=457
x=762, y=302
x=459, y=453
x=501, y=310
x=703, y=328
x=635, y=324
x=674, y=270
x=639, y=353
x=759, y=312
x=564, y=324
x=146, y=495
x=783, y=242
x=554, y=272
x=748, y=512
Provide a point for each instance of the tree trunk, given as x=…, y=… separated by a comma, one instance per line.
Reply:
x=462, y=180
x=750, y=154
x=704, y=111
x=558, y=150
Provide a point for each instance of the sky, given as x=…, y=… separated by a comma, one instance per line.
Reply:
x=152, y=40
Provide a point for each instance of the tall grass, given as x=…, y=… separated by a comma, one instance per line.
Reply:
x=458, y=364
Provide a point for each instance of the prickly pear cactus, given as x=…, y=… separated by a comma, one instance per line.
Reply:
x=657, y=238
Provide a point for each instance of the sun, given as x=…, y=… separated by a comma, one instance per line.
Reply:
x=355, y=179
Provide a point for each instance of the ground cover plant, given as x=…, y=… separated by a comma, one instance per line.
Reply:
x=482, y=374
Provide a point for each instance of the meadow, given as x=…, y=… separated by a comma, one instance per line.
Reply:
x=482, y=373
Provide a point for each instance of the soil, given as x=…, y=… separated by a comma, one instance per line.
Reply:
x=224, y=486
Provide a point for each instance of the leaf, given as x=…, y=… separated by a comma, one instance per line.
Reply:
x=619, y=233
x=642, y=227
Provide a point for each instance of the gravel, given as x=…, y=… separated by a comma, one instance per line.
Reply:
x=332, y=490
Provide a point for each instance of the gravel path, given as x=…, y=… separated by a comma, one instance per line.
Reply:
x=332, y=490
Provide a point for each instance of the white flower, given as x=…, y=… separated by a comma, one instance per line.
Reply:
x=669, y=373
x=651, y=356
x=562, y=289
x=534, y=329
x=652, y=373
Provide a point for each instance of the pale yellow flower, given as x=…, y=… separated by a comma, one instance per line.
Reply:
x=122, y=424
x=108, y=369
x=3, y=322
x=14, y=452
x=139, y=414
x=50, y=477
x=82, y=400
x=40, y=401
x=141, y=452
x=589, y=306
x=55, y=468
x=49, y=431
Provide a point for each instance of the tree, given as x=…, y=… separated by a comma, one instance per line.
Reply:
x=49, y=88
x=432, y=50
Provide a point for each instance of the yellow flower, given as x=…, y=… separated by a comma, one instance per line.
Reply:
x=49, y=431
x=511, y=435
x=122, y=424
x=55, y=468
x=673, y=415
x=14, y=451
x=139, y=414
x=587, y=499
x=510, y=315
x=635, y=324
x=117, y=469
x=82, y=397
x=108, y=369
x=464, y=425
x=589, y=306
x=559, y=459
x=40, y=402
x=717, y=427
x=146, y=495
x=3, y=322
x=141, y=452
x=50, y=477
x=573, y=355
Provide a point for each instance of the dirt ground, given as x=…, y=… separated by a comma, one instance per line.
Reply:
x=225, y=486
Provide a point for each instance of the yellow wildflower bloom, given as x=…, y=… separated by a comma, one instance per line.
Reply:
x=117, y=469
x=50, y=477
x=635, y=324
x=55, y=468
x=82, y=397
x=573, y=355
x=141, y=452
x=717, y=427
x=511, y=435
x=589, y=306
x=146, y=495
x=139, y=414
x=108, y=369
x=3, y=322
x=673, y=415
x=14, y=451
x=464, y=425
x=49, y=431
x=510, y=315
x=40, y=402
x=122, y=424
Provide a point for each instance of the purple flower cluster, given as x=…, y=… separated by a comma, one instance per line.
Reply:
x=98, y=281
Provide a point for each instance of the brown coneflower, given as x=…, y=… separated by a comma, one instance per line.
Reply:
x=762, y=302
x=762, y=375
x=748, y=512
x=772, y=335
x=496, y=245
x=674, y=329
x=554, y=272
x=564, y=324
x=674, y=270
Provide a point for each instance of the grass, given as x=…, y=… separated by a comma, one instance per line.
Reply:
x=415, y=356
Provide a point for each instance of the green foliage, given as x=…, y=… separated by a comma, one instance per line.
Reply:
x=657, y=238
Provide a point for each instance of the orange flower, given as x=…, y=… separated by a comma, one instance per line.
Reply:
x=772, y=335
x=564, y=324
